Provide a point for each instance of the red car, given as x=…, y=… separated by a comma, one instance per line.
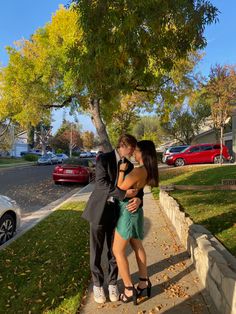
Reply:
x=198, y=154
x=74, y=170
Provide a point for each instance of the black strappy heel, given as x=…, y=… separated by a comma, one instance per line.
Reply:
x=145, y=292
x=127, y=299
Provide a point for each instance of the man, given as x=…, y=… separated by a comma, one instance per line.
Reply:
x=102, y=212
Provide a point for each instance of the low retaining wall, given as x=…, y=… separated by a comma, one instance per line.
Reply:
x=215, y=266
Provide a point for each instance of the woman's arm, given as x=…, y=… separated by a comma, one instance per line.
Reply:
x=125, y=183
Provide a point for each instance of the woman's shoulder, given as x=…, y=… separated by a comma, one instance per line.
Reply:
x=139, y=171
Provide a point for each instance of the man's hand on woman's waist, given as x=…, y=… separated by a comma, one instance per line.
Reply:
x=133, y=204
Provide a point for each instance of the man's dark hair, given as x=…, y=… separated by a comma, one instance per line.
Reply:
x=127, y=140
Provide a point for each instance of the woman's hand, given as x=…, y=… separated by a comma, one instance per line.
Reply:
x=123, y=166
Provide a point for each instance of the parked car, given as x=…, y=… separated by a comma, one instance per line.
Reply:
x=86, y=155
x=48, y=159
x=79, y=170
x=10, y=218
x=61, y=157
x=173, y=150
x=197, y=154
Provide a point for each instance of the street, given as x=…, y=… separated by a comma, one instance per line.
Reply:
x=32, y=187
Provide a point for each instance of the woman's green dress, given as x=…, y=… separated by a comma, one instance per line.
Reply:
x=130, y=225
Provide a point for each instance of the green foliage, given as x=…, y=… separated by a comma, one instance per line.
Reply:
x=52, y=260
x=185, y=122
x=92, y=54
x=149, y=128
x=126, y=115
x=31, y=157
x=75, y=154
x=132, y=45
x=59, y=151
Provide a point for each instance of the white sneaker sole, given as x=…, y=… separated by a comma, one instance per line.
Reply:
x=114, y=298
x=99, y=300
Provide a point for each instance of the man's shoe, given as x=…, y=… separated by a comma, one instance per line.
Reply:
x=113, y=293
x=99, y=295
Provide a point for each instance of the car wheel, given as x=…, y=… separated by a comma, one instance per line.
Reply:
x=179, y=162
x=217, y=159
x=57, y=182
x=7, y=228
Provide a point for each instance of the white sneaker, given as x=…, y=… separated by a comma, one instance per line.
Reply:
x=99, y=295
x=113, y=293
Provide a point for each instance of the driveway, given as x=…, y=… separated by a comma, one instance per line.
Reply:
x=32, y=187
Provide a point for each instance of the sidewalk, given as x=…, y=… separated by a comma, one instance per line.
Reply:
x=176, y=286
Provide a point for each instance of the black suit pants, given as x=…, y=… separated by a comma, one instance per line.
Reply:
x=98, y=235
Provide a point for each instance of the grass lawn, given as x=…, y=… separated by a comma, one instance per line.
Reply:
x=12, y=161
x=213, y=209
x=47, y=269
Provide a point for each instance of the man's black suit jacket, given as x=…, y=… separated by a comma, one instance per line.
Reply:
x=105, y=186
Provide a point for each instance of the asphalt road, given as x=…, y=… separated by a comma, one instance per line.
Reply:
x=32, y=187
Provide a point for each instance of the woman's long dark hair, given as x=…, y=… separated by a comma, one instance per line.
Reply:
x=149, y=156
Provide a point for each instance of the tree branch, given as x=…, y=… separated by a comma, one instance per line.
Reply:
x=5, y=130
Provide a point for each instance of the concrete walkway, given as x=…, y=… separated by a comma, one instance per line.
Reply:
x=176, y=286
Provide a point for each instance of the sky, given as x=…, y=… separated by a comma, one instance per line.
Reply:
x=21, y=18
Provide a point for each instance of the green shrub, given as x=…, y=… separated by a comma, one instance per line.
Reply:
x=75, y=154
x=159, y=156
x=59, y=151
x=31, y=157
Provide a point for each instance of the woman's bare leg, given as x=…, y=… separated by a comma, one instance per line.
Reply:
x=141, y=260
x=119, y=250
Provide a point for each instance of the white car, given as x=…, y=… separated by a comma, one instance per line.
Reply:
x=48, y=159
x=86, y=155
x=61, y=157
x=10, y=218
x=173, y=150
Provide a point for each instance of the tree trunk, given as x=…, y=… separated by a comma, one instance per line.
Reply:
x=94, y=109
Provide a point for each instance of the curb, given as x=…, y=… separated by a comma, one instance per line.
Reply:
x=215, y=265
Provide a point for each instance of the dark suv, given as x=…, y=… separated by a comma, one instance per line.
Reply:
x=197, y=154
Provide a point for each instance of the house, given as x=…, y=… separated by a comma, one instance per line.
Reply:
x=210, y=137
x=229, y=136
x=20, y=144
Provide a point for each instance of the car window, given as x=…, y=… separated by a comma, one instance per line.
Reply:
x=174, y=150
x=206, y=147
x=76, y=161
x=217, y=146
x=194, y=149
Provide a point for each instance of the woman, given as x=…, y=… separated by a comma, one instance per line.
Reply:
x=129, y=227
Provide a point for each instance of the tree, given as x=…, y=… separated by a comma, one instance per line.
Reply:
x=186, y=121
x=126, y=115
x=5, y=137
x=149, y=127
x=92, y=55
x=88, y=139
x=220, y=93
x=43, y=133
x=67, y=138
